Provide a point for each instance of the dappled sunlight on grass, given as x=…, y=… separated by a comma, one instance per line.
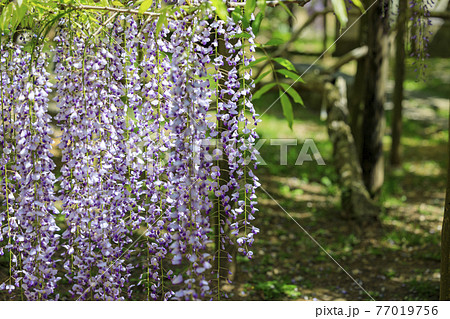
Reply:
x=394, y=259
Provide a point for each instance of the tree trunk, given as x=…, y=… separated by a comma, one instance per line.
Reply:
x=399, y=76
x=356, y=96
x=356, y=201
x=445, y=238
x=373, y=120
x=324, y=25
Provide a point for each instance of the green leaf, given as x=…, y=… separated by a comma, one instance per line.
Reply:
x=18, y=14
x=41, y=8
x=221, y=9
x=287, y=9
x=94, y=19
x=286, y=63
x=360, y=6
x=262, y=76
x=249, y=8
x=292, y=75
x=257, y=23
x=263, y=90
x=21, y=11
x=252, y=64
x=245, y=22
x=236, y=15
x=274, y=42
x=287, y=108
x=144, y=6
x=242, y=35
x=261, y=5
x=28, y=22
x=7, y=15
x=161, y=20
x=341, y=12
x=119, y=4
x=293, y=93
x=21, y=3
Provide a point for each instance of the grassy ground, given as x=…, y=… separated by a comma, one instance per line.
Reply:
x=395, y=259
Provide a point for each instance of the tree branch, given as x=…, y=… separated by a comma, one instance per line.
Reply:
x=147, y=13
x=354, y=54
x=112, y=9
x=274, y=3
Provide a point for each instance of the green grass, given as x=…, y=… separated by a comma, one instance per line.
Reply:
x=422, y=290
x=403, y=248
x=436, y=80
x=274, y=289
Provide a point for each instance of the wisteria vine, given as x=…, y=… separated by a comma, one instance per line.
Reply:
x=157, y=133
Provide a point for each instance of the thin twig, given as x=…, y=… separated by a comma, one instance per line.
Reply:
x=112, y=9
x=301, y=3
x=283, y=48
x=104, y=24
x=143, y=27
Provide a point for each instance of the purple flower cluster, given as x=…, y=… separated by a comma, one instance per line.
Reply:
x=158, y=157
x=97, y=186
x=27, y=219
x=236, y=121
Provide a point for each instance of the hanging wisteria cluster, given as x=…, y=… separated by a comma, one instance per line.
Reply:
x=420, y=35
x=27, y=218
x=156, y=189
